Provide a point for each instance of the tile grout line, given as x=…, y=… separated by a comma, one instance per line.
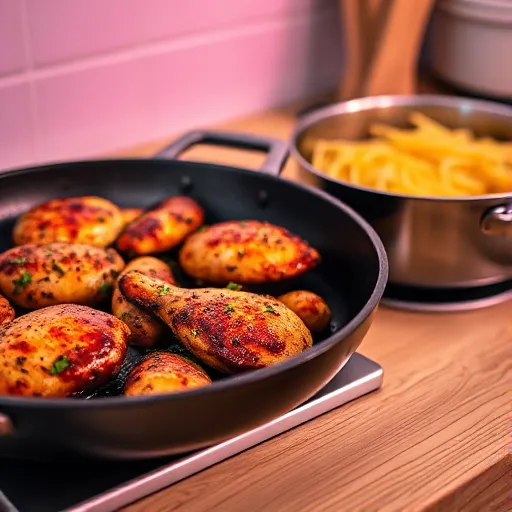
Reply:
x=149, y=49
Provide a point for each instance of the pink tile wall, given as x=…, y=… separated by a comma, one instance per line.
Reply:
x=12, y=44
x=16, y=141
x=83, y=78
x=97, y=26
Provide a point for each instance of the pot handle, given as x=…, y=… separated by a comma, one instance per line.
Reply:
x=497, y=221
x=273, y=164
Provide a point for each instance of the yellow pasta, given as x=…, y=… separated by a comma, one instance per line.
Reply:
x=428, y=160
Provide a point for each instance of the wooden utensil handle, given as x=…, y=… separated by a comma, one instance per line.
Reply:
x=382, y=40
x=393, y=67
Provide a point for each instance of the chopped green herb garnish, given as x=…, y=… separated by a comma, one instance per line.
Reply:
x=18, y=261
x=110, y=257
x=100, y=219
x=59, y=365
x=202, y=228
x=164, y=290
x=125, y=316
x=57, y=268
x=105, y=288
x=269, y=309
x=229, y=308
x=243, y=223
x=19, y=284
x=233, y=286
x=195, y=332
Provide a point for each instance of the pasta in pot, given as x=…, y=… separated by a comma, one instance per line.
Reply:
x=427, y=160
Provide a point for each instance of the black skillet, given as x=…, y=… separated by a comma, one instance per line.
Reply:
x=351, y=277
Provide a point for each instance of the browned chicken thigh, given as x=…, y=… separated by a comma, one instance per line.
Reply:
x=83, y=220
x=36, y=276
x=162, y=372
x=146, y=330
x=60, y=350
x=228, y=330
x=162, y=227
x=6, y=311
x=246, y=252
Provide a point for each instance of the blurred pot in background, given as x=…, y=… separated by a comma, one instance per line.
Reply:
x=436, y=242
x=468, y=43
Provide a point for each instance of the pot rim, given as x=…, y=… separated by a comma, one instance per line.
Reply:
x=495, y=12
x=385, y=101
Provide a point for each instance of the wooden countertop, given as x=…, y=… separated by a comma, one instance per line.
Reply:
x=435, y=437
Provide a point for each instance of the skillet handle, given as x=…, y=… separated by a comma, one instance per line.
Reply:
x=273, y=164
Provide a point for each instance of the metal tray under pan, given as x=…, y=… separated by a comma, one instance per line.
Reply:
x=104, y=486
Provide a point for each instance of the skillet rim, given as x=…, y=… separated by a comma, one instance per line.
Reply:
x=234, y=380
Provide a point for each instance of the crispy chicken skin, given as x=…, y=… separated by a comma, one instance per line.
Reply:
x=246, y=252
x=60, y=350
x=83, y=220
x=228, y=330
x=145, y=329
x=130, y=214
x=6, y=311
x=310, y=307
x=162, y=227
x=163, y=372
x=36, y=276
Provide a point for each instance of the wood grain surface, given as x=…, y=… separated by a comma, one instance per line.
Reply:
x=436, y=437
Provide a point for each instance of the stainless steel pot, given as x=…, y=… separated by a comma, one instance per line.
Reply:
x=430, y=241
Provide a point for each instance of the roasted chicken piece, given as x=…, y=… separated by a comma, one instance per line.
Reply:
x=130, y=214
x=310, y=307
x=6, y=311
x=246, y=252
x=60, y=350
x=36, y=276
x=145, y=328
x=163, y=372
x=161, y=228
x=87, y=220
x=228, y=330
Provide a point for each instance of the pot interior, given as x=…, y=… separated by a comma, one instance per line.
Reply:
x=352, y=120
